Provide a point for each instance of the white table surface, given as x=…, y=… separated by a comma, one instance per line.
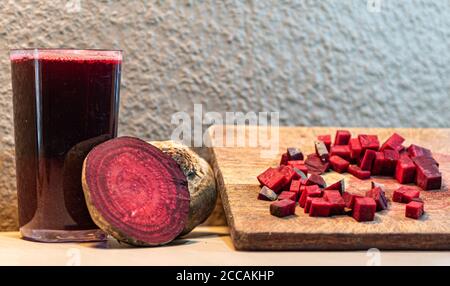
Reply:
x=204, y=246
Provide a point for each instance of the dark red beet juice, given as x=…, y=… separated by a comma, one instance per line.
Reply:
x=65, y=103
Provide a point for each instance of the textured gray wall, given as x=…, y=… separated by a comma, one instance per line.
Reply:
x=317, y=62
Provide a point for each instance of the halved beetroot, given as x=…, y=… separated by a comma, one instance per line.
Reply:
x=394, y=142
x=338, y=164
x=342, y=137
x=315, y=165
x=135, y=192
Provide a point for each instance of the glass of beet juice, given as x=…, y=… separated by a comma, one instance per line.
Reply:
x=65, y=102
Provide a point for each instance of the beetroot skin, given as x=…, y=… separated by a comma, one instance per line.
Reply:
x=338, y=186
x=315, y=179
x=321, y=151
x=294, y=154
x=267, y=194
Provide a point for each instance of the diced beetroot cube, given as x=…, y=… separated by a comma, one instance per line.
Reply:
x=336, y=200
x=320, y=208
x=288, y=196
x=414, y=210
x=405, y=194
x=342, y=151
x=288, y=173
x=267, y=194
x=272, y=179
x=378, y=164
x=406, y=170
x=321, y=151
x=308, y=203
x=415, y=150
x=284, y=159
x=315, y=179
x=355, y=149
x=338, y=186
x=369, y=142
x=326, y=139
x=295, y=186
x=294, y=154
x=282, y=208
x=379, y=196
x=303, y=181
x=357, y=172
x=391, y=158
x=315, y=164
x=349, y=199
x=367, y=160
x=338, y=164
x=309, y=191
x=364, y=209
x=428, y=176
x=342, y=137
x=393, y=142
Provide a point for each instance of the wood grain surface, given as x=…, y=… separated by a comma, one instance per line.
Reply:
x=253, y=228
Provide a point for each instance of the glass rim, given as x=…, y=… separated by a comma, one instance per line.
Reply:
x=67, y=53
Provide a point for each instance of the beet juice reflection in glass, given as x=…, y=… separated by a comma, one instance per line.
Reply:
x=65, y=102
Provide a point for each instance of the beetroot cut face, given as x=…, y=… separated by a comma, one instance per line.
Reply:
x=135, y=192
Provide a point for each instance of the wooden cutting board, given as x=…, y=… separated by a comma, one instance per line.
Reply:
x=253, y=228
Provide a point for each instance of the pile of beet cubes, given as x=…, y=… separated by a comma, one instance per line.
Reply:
x=362, y=157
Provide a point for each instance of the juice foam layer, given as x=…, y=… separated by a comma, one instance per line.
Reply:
x=66, y=55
